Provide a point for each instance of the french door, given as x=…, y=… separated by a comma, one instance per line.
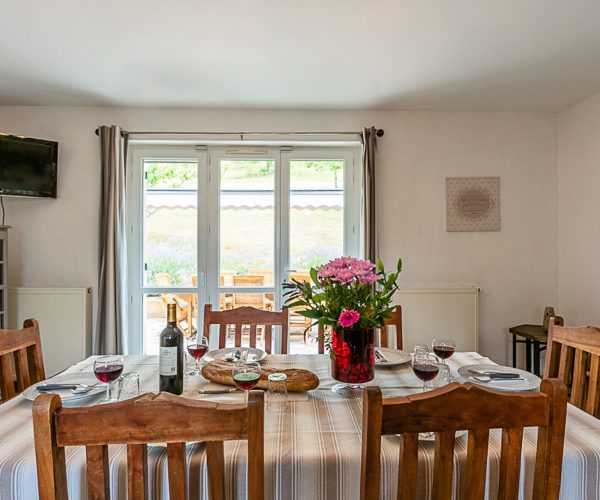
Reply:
x=226, y=225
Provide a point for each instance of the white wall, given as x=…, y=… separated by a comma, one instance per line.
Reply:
x=579, y=211
x=54, y=242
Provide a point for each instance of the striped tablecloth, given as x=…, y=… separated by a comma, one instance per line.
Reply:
x=311, y=452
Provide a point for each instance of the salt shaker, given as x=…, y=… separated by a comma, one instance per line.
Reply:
x=277, y=399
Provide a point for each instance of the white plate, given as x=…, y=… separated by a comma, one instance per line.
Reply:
x=253, y=354
x=67, y=395
x=394, y=357
x=430, y=436
x=531, y=382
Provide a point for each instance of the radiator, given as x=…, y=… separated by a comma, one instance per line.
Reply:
x=437, y=312
x=64, y=315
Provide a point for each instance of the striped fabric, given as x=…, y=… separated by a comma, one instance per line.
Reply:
x=311, y=452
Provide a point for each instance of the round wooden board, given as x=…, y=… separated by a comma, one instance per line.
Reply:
x=298, y=380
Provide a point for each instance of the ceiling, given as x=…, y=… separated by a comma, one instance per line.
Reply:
x=473, y=55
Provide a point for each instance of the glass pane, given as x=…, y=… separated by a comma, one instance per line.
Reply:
x=171, y=233
x=247, y=222
x=155, y=316
x=316, y=212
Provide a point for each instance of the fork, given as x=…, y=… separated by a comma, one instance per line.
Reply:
x=75, y=388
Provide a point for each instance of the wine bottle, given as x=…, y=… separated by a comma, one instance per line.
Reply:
x=171, y=355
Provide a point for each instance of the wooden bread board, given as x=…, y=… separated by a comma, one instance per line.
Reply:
x=298, y=380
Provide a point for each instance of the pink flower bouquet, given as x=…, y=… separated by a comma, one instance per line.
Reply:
x=346, y=292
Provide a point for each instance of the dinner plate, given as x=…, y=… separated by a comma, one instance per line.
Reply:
x=394, y=357
x=531, y=382
x=67, y=395
x=253, y=354
x=430, y=436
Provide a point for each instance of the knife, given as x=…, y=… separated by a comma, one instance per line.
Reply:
x=380, y=357
x=494, y=375
x=219, y=391
x=55, y=387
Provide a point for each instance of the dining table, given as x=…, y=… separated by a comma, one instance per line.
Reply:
x=312, y=448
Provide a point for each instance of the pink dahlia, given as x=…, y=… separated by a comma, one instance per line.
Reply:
x=348, y=318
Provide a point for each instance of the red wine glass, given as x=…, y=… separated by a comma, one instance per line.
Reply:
x=196, y=348
x=443, y=348
x=108, y=369
x=426, y=367
x=246, y=375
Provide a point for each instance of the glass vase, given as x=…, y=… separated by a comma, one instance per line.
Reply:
x=352, y=359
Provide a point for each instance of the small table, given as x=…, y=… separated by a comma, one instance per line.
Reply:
x=533, y=335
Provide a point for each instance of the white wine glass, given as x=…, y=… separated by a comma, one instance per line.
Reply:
x=246, y=375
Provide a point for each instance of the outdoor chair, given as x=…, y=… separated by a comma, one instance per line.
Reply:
x=185, y=303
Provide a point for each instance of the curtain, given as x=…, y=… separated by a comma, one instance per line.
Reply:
x=111, y=324
x=369, y=160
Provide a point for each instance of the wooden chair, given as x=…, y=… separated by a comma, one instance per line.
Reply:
x=573, y=356
x=257, y=300
x=247, y=316
x=466, y=406
x=23, y=348
x=394, y=320
x=184, y=302
x=136, y=422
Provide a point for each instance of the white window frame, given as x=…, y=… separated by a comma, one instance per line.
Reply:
x=208, y=158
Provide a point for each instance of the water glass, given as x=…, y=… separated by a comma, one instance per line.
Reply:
x=277, y=398
x=420, y=349
x=129, y=386
x=443, y=377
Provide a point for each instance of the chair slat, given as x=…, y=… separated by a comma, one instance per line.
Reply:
x=22, y=369
x=565, y=367
x=238, y=335
x=252, y=335
x=137, y=472
x=215, y=464
x=177, y=470
x=268, y=338
x=593, y=392
x=510, y=463
x=579, y=378
x=222, y=335
x=407, y=467
x=97, y=470
x=7, y=386
x=443, y=465
x=477, y=450
x=256, y=448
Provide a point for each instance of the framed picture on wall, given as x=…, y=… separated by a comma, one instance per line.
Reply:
x=472, y=204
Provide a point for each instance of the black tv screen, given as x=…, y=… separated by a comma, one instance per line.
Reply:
x=28, y=167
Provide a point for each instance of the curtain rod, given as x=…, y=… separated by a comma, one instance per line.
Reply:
x=379, y=133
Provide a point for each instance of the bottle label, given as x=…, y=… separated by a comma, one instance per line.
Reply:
x=168, y=361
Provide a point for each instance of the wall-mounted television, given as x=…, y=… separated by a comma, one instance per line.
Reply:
x=28, y=167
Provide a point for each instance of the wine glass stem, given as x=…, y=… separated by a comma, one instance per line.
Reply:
x=246, y=396
x=197, y=367
x=107, y=391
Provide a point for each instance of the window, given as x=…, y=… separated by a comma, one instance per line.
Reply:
x=228, y=224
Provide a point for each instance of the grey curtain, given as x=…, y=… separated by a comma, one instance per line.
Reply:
x=110, y=336
x=369, y=159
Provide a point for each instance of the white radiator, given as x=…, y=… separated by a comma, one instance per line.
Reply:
x=437, y=312
x=65, y=317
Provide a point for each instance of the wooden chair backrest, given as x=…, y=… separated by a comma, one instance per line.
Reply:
x=466, y=406
x=22, y=347
x=394, y=320
x=136, y=422
x=247, y=316
x=267, y=275
x=573, y=356
x=253, y=299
